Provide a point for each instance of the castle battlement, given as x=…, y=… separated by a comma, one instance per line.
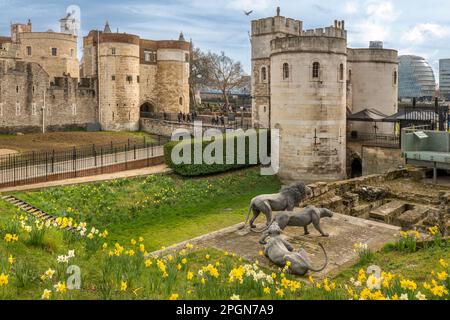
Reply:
x=277, y=24
x=312, y=43
x=331, y=32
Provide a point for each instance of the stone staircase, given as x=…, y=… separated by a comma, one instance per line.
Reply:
x=32, y=210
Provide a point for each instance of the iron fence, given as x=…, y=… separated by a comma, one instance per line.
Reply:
x=375, y=139
x=40, y=166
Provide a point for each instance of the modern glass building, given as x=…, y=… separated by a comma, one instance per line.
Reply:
x=416, y=78
x=444, y=78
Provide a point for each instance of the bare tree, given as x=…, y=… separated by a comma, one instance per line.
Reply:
x=200, y=76
x=225, y=74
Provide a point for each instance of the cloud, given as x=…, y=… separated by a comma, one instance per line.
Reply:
x=424, y=32
x=372, y=21
x=256, y=5
x=381, y=11
x=351, y=7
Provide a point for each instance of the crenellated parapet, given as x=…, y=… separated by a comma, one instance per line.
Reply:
x=276, y=24
x=316, y=43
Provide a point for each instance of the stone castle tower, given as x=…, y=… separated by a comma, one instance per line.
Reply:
x=42, y=84
x=302, y=85
x=136, y=75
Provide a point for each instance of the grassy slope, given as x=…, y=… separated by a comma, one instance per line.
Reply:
x=63, y=140
x=163, y=209
x=416, y=266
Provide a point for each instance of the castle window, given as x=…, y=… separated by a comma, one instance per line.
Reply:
x=17, y=89
x=181, y=101
x=285, y=71
x=54, y=52
x=1, y=109
x=113, y=116
x=138, y=79
x=149, y=56
x=17, y=109
x=349, y=75
x=316, y=70
x=395, y=78
x=72, y=52
x=29, y=51
x=341, y=72
x=113, y=78
x=33, y=109
x=263, y=74
x=113, y=51
x=74, y=109
x=130, y=79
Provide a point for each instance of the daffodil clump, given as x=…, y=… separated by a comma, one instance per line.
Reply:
x=386, y=286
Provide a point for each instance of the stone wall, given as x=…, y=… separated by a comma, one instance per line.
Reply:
x=380, y=160
x=67, y=104
x=167, y=128
x=119, y=69
x=173, y=81
x=41, y=44
x=373, y=85
x=310, y=112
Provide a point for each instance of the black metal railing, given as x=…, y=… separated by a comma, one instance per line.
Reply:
x=210, y=120
x=38, y=166
x=375, y=139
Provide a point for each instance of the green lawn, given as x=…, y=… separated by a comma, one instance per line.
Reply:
x=155, y=208
x=164, y=209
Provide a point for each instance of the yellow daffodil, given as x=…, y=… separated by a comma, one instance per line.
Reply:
x=60, y=287
x=266, y=290
x=46, y=295
x=3, y=279
x=443, y=263
x=11, y=259
x=442, y=276
x=123, y=286
x=148, y=263
x=280, y=293
x=408, y=285
x=174, y=297
x=190, y=276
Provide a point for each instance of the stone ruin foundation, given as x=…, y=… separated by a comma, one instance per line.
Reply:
x=373, y=198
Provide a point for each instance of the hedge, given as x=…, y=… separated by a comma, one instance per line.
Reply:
x=191, y=170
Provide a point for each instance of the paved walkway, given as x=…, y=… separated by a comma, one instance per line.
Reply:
x=103, y=177
x=344, y=232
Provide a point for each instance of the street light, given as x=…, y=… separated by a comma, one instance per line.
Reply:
x=43, y=115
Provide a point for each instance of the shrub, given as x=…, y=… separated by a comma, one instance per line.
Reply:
x=192, y=169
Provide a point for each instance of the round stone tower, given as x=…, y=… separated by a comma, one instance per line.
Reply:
x=173, y=75
x=308, y=97
x=118, y=74
x=373, y=84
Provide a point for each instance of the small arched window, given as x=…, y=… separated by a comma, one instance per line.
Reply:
x=349, y=75
x=263, y=74
x=341, y=72
x=395, y=78
x=181, y=101
x=316, y=70
x=285, y=71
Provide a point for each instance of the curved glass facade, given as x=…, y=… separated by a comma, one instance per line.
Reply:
x=416, y=78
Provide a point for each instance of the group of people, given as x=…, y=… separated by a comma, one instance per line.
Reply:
x=216, y=120
x=187, y=117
